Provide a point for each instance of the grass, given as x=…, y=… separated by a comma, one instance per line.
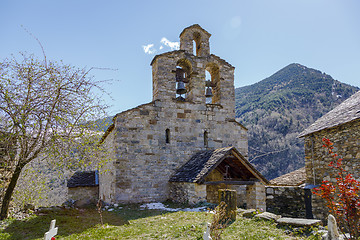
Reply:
x=132, y=223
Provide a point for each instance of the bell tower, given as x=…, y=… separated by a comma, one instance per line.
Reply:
x=180, y=75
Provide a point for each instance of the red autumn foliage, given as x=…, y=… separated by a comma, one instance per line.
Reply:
x=342, y=198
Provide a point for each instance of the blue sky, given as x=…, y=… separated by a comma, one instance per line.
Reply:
x=258, y=37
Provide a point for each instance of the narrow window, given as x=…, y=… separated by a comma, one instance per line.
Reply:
x=167, y=135
x=206, y=141
x=194, y=48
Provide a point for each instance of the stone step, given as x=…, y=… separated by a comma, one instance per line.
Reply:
x=299, y=222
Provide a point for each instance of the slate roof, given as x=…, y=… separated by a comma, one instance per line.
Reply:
x=294, y=178
x=203, y=162
x=347, y=111
x=84, y=179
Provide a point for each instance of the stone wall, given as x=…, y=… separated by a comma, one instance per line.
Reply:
x=256, y=196
x=107, y=174
x=190, y=193
x=84, y=195
x=285, y=201
x=346, y=139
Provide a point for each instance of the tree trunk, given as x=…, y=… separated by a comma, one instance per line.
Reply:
x=9, y=191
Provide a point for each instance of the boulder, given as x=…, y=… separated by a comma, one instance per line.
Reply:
x=268, y=216
x=249, y=213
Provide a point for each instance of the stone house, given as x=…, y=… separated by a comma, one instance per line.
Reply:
x=154, y=143
x=342, y=126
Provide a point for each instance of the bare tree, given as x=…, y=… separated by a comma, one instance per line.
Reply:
x=44, y=106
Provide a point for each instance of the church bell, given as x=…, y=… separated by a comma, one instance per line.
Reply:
x=208, y=92
x=180, y=88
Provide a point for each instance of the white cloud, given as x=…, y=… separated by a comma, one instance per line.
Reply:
x=149, y=49
x=172, y=45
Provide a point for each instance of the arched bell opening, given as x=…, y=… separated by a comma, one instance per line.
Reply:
x=182, y=77
x=212, y=84
x=196, y=44
x=208, y=88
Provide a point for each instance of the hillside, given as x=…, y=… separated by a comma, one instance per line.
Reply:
x=278, y=108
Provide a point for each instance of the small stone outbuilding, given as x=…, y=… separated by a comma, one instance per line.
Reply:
x=83, y=188
x=207, y=171
x=286, y=195
x=342, y=126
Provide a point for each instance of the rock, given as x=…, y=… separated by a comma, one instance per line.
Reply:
x=333, y=232
x=249, y=213
x=267, y=216
x=28, y=207
x=299, y=222
x=84, y=203
x=240, y=210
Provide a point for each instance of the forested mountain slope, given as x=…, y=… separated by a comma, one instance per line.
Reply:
x=278, y=108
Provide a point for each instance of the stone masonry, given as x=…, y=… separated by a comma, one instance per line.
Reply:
x=287, y=201
x=150, y=142
x=346, y=139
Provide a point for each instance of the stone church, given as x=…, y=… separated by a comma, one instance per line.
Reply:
x=184, y=144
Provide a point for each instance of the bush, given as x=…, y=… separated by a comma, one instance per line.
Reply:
x=342, y=198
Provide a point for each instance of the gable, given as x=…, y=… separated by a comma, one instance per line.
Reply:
x=228, y=161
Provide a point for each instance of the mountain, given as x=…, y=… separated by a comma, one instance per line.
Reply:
x=278, y=108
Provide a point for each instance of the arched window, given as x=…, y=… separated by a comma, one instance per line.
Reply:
x=206, y=139
x=167, y=135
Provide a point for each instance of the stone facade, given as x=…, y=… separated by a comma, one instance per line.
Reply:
x=346, y=139
x=287, y=201
x=152, y=140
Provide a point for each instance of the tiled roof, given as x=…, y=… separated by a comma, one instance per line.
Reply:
x=203, y=162
x=347, y=111
x=84, y=179
x=294, y=178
